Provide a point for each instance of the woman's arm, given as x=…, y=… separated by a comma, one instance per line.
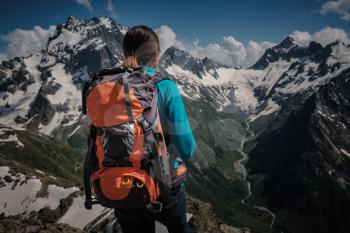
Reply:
x=174, y=118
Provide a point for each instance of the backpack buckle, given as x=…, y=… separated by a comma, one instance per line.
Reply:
x=155, y=207
x=145, y=125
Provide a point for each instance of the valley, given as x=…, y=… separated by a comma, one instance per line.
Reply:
x=239, y=166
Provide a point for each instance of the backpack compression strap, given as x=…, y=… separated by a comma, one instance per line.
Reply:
x=127, y=94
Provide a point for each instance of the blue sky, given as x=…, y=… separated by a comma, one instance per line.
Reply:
x=259, y=20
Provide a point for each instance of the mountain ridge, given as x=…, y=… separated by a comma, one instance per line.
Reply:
x=40, y=93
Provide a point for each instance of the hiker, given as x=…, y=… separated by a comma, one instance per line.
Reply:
x=136, y=114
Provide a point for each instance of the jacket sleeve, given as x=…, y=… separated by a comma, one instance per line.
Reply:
x=174, y=118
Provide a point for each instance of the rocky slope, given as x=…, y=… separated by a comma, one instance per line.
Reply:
x=302, y=168
x=43, y=91
x=292, y=73
x=33, y=203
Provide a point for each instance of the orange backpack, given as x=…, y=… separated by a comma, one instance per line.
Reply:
x=127, y=164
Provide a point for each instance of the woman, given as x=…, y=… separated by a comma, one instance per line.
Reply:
x=141, y=49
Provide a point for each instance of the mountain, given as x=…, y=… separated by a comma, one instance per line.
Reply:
x=304, y=165
x=226, y=88
x=43, y=91
x=181, y=58
x=270, y=111
x=293, y=155
x=292, y=73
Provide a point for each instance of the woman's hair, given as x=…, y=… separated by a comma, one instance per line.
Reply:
x=140, y=47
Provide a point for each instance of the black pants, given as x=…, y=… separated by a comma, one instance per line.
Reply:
x=143, y=221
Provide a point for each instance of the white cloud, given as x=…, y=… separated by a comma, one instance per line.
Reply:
x=232, y=52
x=325, y=36
x=235, y=50
x=25, y=42
x=329, y=35
x=255, y=50
x=341, y=7
x=110, y=8
x=85, y=3
x=167, y=38
x=301, y=38
x=213, y=51
x=3, y=57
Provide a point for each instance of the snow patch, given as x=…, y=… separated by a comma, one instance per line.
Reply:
x=67, y=95
x=107, y=22
x=77, y=216
x=19, y=101
x=66, y=38
x=74, y=131
x=123, y=29
x=67, y=91
x=12, y=137
x=20, y=197
x=242, y=82
x=271, y=108
x=345, y=152
x=4, y=171
x=41, y=172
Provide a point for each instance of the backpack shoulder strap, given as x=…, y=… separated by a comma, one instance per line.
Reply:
x=158, y=78
x=116, y=70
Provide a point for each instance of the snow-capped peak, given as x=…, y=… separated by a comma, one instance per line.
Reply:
x=286, y=44
x=42, y=91
x=183, y=59
x=276, y=53
x=74, y=24
x=70, y=22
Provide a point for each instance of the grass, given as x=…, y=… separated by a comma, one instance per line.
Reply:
x=46, y=154
x=217, y=182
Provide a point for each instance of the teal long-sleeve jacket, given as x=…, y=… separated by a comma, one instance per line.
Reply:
x=173, y=117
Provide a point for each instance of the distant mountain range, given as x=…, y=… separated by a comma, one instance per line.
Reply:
x=295, y=99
